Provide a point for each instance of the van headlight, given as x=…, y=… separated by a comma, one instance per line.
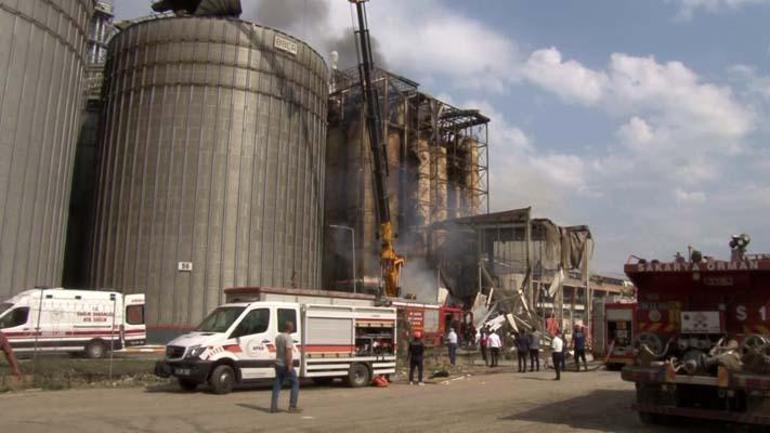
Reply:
x=195, y=351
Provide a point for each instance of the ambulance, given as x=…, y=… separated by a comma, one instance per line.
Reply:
x=85, y=322
x=337, y=335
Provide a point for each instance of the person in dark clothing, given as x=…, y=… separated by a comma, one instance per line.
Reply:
x=534, y=350
x=579, y=346
x=564, y=352
x=522, y=349
x=483, y=341
x=416, y=351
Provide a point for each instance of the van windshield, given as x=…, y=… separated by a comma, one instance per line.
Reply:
x=4, y=307
x=220, y=319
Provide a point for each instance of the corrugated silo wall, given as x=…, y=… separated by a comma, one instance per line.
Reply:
x=213, y=154
x=42, y=65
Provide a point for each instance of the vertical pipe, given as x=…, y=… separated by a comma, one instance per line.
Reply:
x=355, y=277
x=530, y=273
x=587, y=278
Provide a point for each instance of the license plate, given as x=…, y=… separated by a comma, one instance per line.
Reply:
x=182, y=371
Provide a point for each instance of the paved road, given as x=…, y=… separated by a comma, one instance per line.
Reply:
x=502, y=402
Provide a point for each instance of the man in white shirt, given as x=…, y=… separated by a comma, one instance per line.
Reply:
x=557, y=347
x=494, y=343
x=451, y=340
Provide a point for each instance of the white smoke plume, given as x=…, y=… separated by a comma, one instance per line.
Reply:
x=311, y=20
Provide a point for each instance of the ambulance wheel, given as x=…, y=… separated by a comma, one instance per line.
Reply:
x=222, y=379
x=187, y=384
x=95, y=349
x=358, y=376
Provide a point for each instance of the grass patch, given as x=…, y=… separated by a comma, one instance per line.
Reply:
x=54, y=373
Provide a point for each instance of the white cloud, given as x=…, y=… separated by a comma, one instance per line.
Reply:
x=672, y=97
x=568, y=79
x=685, y=197
x=677, y=97
x=637, y=133
x=424, y=40
x=748, y=77
x=688, y=7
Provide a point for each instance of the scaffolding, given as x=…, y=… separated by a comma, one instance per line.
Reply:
x=437, y=161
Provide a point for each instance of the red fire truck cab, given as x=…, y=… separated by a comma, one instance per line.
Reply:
x=703, y=345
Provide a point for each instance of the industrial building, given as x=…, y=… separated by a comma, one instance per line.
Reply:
x=100, y=31
x=214, y=152
x=211, y=164
x=43, y=53
x=437, y=170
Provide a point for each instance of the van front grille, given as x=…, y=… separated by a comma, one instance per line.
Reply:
x=174, y=352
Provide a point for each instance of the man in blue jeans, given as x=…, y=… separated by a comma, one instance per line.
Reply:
x=579, y=345
x=284, y=368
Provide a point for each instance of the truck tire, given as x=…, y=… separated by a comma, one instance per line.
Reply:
x=222, y=379
x=358, y=376
x=187, y=384
x=95, y=349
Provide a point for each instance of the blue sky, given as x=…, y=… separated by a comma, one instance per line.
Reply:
x=645, y=119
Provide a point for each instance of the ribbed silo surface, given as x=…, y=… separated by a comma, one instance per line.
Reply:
x=213, y=156
x=42, y=49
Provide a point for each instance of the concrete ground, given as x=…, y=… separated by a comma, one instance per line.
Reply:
x=596, y=401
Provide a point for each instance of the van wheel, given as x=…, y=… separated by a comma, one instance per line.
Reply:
x=187, y=384
x=95, y=349
x=358, y=376
x=222, y=379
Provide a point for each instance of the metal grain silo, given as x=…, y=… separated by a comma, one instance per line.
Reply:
x=42, y=61
x=211, y=167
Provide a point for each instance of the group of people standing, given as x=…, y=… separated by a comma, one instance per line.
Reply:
x=527, y=344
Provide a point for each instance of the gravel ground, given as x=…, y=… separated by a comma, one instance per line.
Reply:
x=501, y=401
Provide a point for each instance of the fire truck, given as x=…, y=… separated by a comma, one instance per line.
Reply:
x=431, y=320
x=702, y=350
x=614, y=332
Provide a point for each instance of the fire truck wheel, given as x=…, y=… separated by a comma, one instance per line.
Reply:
x=222, y=379
x=95, y=349
x=187, y=384
x=358, y=376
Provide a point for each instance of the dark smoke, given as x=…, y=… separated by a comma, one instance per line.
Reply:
x=307, y=19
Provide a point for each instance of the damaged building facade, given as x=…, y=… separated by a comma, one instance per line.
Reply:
x=437, y=170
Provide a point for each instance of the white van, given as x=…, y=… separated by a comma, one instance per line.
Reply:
x=236, y=343
x=73, y=321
